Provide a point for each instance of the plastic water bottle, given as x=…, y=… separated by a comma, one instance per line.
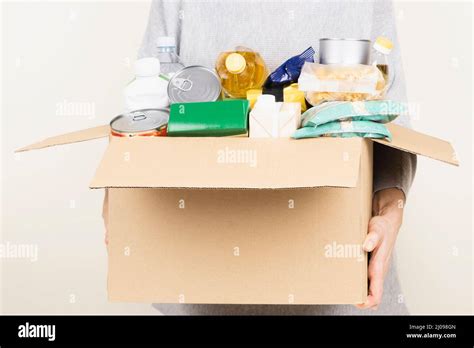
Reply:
x=148, y=90
x=170, y=61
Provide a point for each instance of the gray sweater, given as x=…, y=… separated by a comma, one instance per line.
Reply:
x=279, y=29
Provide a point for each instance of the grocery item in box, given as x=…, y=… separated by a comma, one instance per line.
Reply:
x=340, y=82
x=148, y=122
x=194, y=84
x=382, y=48
x=276, y=91
x=292, y=94
x=382, y=111
x=345, y=129
x=290, y=70
x=241, y=70
x=170, y=61
x=270, y=119
x=316, y=98
x=344, y=51
x=209, y=119
x=148, y=89
x=252, y=96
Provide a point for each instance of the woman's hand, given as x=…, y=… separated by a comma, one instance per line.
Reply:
x=383, y=230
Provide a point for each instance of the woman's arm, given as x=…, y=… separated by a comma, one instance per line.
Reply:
x=392, y=168
x=394, y=171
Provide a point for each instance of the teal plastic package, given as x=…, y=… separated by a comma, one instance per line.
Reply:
x=345, y=129
x=382, y=111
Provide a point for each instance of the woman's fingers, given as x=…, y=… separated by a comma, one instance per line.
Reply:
x=379, y=247
x=377, y=229
x=380, y=240
x=376, y=275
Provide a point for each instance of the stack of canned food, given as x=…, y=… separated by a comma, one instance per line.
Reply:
x=188, y=85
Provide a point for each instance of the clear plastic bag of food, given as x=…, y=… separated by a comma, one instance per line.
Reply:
x=336, y=82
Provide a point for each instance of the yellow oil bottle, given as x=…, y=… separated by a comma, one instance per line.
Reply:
x=239, y=71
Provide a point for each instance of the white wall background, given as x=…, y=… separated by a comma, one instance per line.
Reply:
x=436, y=243
x=57, y=54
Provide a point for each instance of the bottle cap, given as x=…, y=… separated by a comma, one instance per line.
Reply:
x=147, y=67
x=383, y=45
x=166, y=41
x=235, y=63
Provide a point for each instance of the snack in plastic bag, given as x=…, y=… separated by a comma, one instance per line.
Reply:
x=341, y=82
x=382, y=111
x=316, y=98
x=345, y=129
x=289, y=71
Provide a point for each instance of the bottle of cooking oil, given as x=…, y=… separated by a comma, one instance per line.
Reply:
x=241, y=70
x=382, y=49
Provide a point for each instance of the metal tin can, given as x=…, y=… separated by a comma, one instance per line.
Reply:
x=147, y=122
x=344, y=51
x=194, y=84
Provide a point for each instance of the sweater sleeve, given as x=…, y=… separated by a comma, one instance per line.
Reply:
x=392, y=168
x=164, y=20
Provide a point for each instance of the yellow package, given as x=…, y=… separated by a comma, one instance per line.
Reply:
x=292, y=94
x=252, y=96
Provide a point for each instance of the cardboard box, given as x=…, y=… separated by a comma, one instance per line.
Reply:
x=226, y=220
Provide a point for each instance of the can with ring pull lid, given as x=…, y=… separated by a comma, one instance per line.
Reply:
x=147, y=122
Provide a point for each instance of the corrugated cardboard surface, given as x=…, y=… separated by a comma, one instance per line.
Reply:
x=273, y=238
x=229, y=163
x=239, y=246
x=411, y=141
x=70, y=138
x=254, y=244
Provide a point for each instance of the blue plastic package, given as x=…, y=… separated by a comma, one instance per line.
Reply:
x=290, y=71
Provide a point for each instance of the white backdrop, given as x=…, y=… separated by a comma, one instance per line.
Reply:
x=64, y=65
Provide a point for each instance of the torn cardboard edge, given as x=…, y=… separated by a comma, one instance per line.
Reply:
x=220, y=188
x=70, y=138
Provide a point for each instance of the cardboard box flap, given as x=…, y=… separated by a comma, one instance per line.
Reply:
x=229, y=163
x=69, y=138
x=420, y=144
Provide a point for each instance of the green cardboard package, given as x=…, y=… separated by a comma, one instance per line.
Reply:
x=209, y=119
